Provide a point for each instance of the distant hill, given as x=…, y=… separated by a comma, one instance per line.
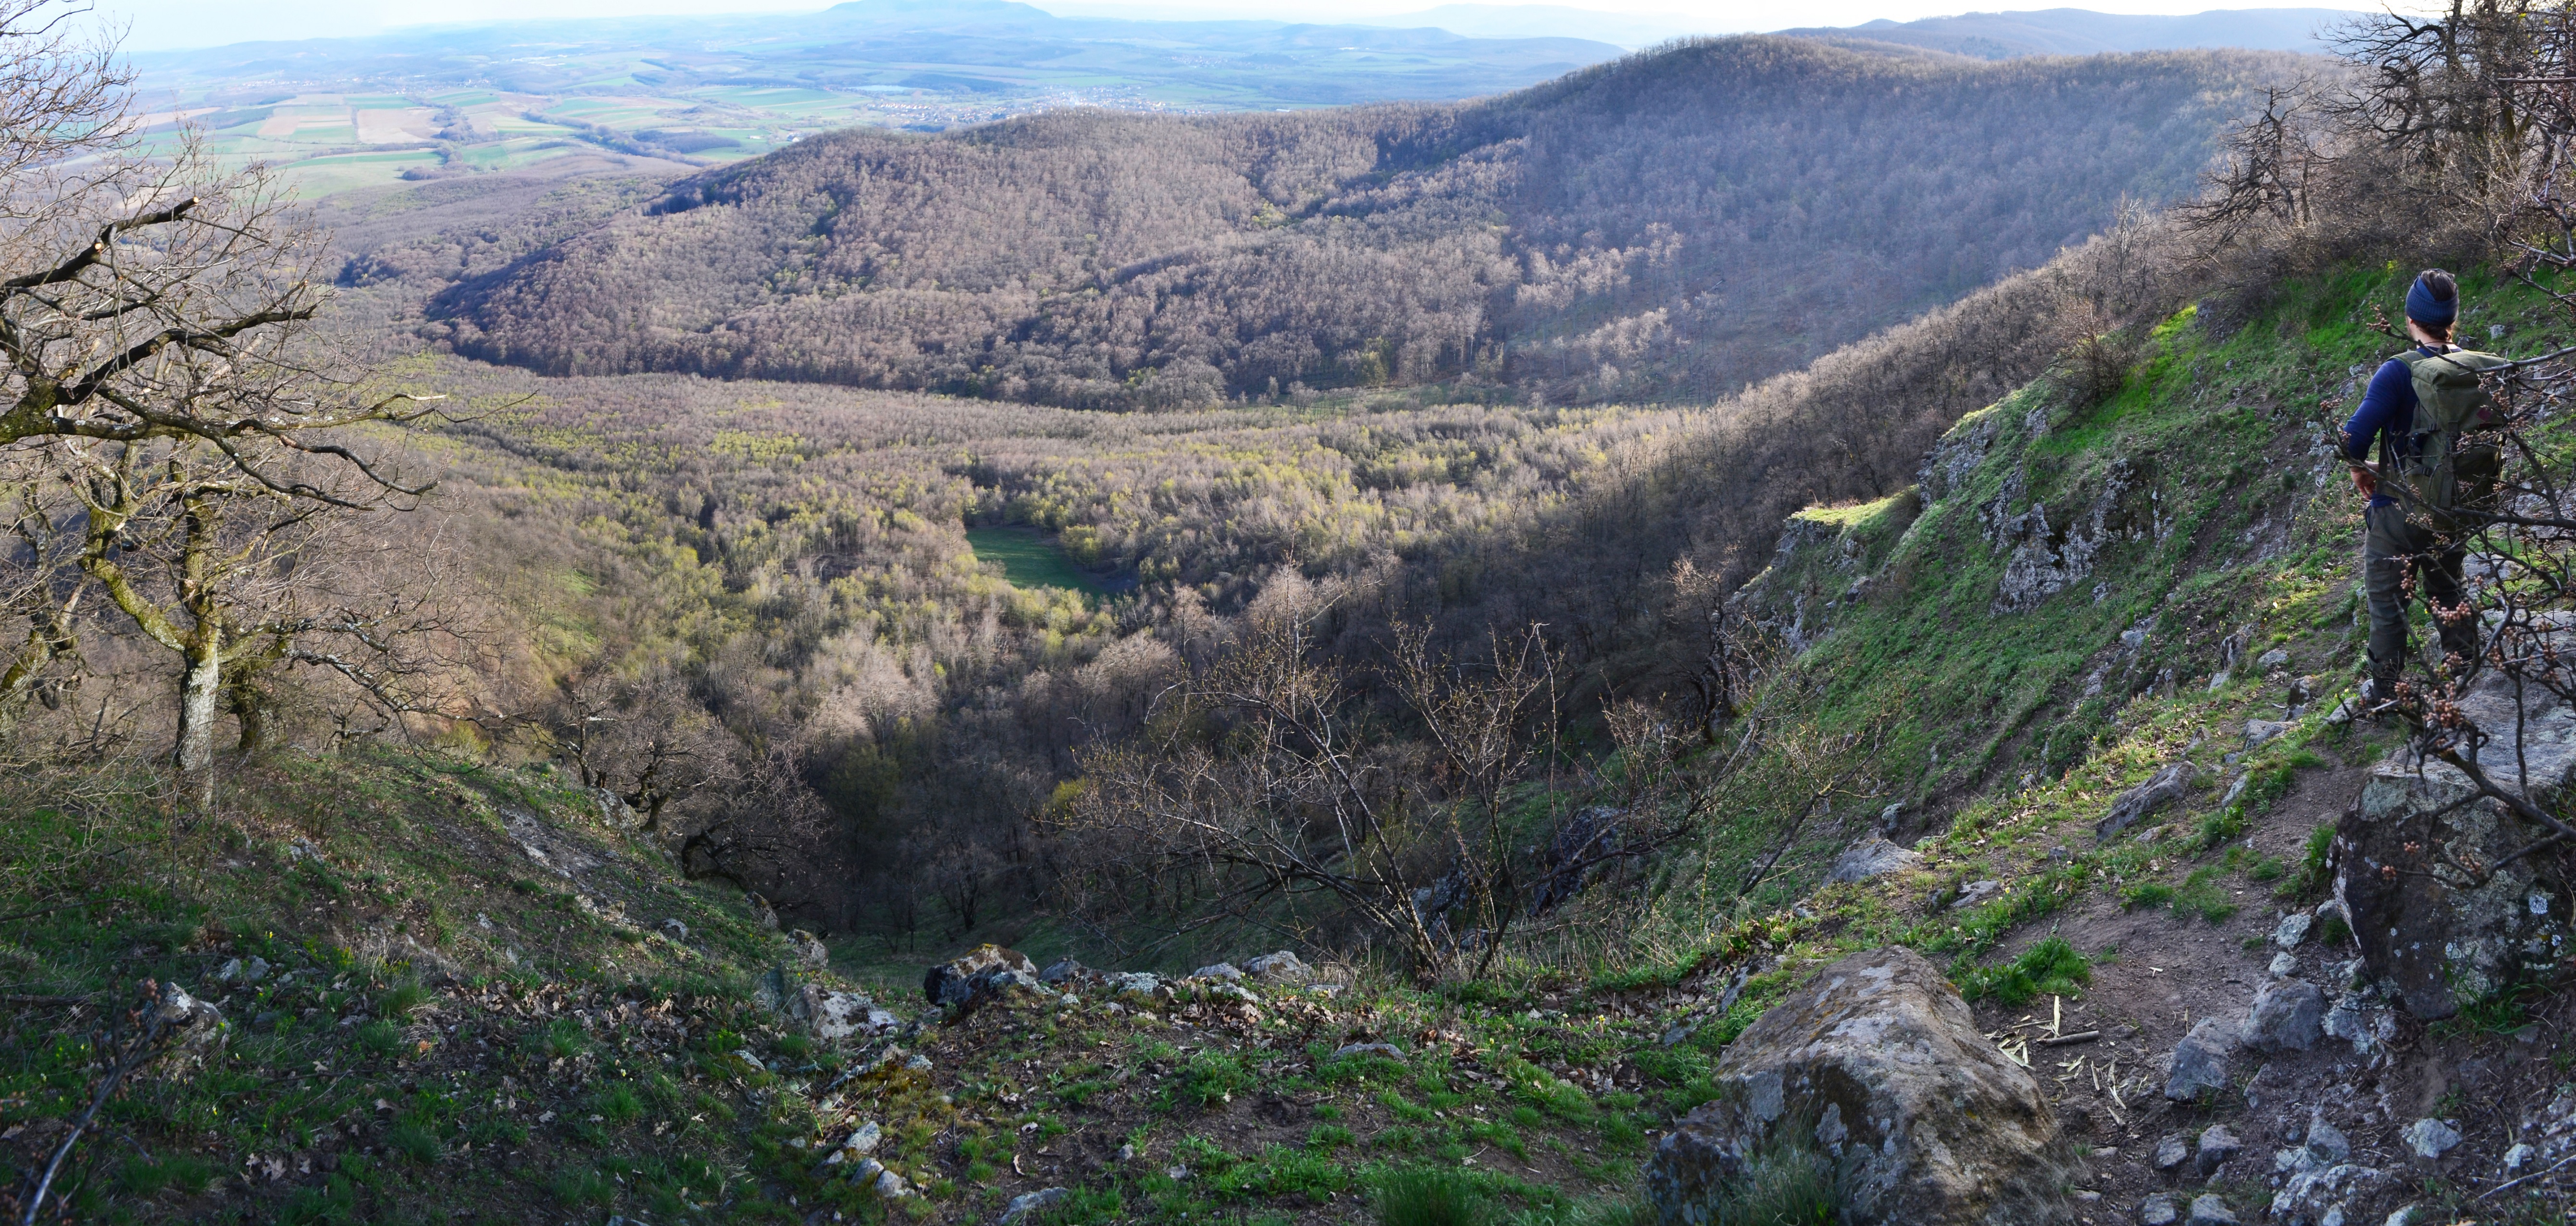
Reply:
x=1676, y=223
x=1995, y=36
x=1553, y=21
x=992, y=49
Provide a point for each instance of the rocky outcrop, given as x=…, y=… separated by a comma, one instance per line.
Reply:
x=2436, y=924
x=1878, y=1063
x=979, y=972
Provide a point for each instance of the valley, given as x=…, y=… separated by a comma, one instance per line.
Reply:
x=1768, y=630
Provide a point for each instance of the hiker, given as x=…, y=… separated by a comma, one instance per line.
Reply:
x=2417, y=405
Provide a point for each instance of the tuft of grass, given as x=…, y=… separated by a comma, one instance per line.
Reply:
x=2146, y=894
x=2052, y=967
x=1429, y=1196
x=1212, y=1077
x=1787, y=1182
x=616, y=1103
x=2204, y=894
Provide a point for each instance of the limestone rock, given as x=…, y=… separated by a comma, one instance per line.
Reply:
x=2272, y=659
x=2284, y=963
x=1022, y=1206
x=1060, y=970
x=2172, y=1151
x=2200, y=1061
x=2327, y=1143
x=2289, y=1015
x=2439, y=933
x=2217, y=1145
x=1281, y=967
x=2430, y=1139
x=2163, y=788
x=2210, y=1211
x=1872, y=857
x=2259, y=732
x=1140, y=989
x=2321, y=1194
x=1881, y=1063
x=810, y=949
x=2158, y=1210
x=2292, y=929
x=841, y=1015
x=1222, y=970
x=955, y=982
x=190, y=1028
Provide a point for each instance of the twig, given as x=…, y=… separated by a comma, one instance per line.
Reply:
x=60, y=906
x=2534, y=1175
x=137, y=1054
x=2080, y=1036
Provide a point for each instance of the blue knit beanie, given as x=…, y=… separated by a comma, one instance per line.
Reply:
x=2424, y=308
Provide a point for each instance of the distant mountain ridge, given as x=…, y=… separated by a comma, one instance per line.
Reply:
x=1995, y=36
x=1676, y=223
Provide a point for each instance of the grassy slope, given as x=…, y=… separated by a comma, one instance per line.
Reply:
x=1541, y=1092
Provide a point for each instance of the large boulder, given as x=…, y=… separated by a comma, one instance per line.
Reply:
x=975, y=973
x=1878, y=1065
x=2436, y=924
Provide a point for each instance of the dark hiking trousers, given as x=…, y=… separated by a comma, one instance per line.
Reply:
x=2390, y=545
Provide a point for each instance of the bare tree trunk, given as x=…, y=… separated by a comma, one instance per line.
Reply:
x=201, y=689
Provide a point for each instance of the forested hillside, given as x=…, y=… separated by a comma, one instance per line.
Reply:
x=1679, y=223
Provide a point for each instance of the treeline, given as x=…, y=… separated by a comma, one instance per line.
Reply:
x=1676, y=224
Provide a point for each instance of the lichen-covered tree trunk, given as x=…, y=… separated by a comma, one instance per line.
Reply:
x=201, y=687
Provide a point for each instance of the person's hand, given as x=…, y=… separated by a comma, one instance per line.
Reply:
x=2365, y=480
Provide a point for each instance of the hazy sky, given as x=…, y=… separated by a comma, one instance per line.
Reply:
x=165, y=24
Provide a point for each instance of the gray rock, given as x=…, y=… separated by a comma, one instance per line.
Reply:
x=2272, y=659
x=2319, y=1195
x=2326, y=1143
x=245, y=970
x=2431, y=1139
x=1388, y=1050
x=2284, y=963
x=892, y=1186
x=1976, y=892
x=191, y=1029
x=1880, y=1057
x=955, y=982
x=2200, y=1061
x=863, y=1139
x=2158, y=1210
x=810, y=949
x=1222, y=970
x=841, y=1015
x=1060, y=970
x=1872, y=857
x=671, y=928
x=2162, y=788
x=2259, y=732
x=2292, y=929
x=1281, y=967
x=2289, y=1015
x=2217, y=1146
x=2443, y=937
x=2209, y=1210
x=1022, y=1206
x=2403, y=1215
x=1139, y=988
x=2518, y=1157
x=2172, y=1151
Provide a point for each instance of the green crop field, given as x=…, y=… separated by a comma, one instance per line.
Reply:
x=1030, y=560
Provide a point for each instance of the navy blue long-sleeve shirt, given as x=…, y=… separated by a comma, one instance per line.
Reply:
x=2386, y=413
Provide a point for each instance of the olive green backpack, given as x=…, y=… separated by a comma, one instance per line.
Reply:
x=2446, y=474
